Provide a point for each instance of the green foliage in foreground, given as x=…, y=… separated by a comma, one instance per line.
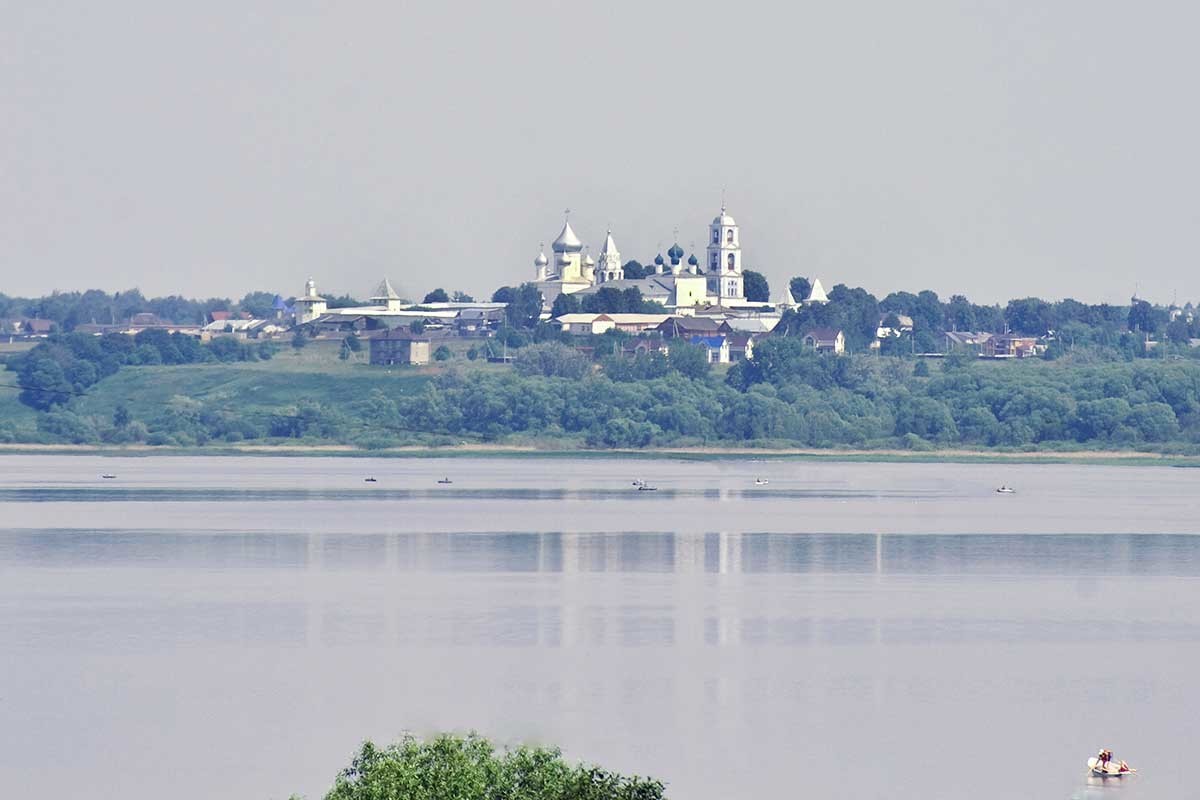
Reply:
x=470, y=768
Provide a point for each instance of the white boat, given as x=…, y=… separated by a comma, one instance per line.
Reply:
x=1006, y=490
x=1109, y=769
x=761, y=481
x=445, y=480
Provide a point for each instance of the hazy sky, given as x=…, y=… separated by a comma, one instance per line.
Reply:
x=997, y=149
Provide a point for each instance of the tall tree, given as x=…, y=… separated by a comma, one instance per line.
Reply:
x=634, y=270
x=1145, y=317
x=565, y=304
x=1030, y=315
x=524, y=304
x=756, y=286
x=799, y=287
x=437, y=296
x=260, y=305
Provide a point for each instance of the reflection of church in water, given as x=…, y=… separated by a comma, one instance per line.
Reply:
x=674, y=282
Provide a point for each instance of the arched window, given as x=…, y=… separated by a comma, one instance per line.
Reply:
x=716, y=236
x=729, y=236
x=714, y=261
x=730, y=260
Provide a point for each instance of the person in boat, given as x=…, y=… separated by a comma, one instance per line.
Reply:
x=1103, y=758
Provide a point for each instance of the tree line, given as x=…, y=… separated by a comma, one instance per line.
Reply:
x=785, y=396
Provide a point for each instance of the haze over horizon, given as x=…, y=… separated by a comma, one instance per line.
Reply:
x=983, y=149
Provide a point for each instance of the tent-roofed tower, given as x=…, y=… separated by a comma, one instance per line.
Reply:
x=609, y=267
x=385, y=295
x=816, y=294
x=724, y=267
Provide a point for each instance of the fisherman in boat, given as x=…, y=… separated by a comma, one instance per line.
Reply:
x=1103, y=758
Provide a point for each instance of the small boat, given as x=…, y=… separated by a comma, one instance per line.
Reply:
x=647, y=488
x=445, y=480
x=369, y=480
x=1109, y=769
x=108, y=477
x=1006, y=490
x=761, y=481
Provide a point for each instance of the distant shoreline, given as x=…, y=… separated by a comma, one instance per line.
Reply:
x=954, y=455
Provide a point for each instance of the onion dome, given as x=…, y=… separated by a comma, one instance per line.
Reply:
x=541, y=260
x=567, y=241
x=693, y=261
x=675, y=253
x=658, y=259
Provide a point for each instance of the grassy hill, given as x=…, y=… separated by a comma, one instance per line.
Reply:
x=250, y=389
x=245, y=387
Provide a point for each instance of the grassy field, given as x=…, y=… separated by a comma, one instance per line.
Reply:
x=247, y=387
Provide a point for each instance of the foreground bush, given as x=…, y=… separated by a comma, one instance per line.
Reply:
x=470, y=768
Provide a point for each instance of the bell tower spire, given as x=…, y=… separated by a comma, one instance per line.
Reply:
x=724, y=266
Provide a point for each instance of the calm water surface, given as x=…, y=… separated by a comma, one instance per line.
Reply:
x=211, y=627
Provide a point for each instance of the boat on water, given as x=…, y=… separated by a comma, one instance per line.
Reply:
x=369, y=480
x=1109, y=769
x=646, y=488
x=1006, y=490
x=445, y=480
x=108, y=477
x=761, y=481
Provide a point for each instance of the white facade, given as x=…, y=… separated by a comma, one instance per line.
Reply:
x=610, y=267
x=310, y=305
x=724, y=265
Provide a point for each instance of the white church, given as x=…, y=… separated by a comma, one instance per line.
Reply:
x=677, y=284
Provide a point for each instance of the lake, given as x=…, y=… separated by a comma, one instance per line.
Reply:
x=203, y=627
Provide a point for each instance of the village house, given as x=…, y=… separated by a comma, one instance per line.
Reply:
x=1010, y=345
x=582, y=324
x=240, y=327
x=966, y=340
x=825, y=340
x=688, y=327
x=400, y=346
x=40, y=327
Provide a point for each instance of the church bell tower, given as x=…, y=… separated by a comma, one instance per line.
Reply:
x=724, y=266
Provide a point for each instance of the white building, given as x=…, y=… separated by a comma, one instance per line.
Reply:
x=725, y=260
x=310, y=305
x=387, y=309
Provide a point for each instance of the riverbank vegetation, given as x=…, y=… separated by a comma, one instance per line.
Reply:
x=472, y=768
x=785, y=397
x=1099, y=384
